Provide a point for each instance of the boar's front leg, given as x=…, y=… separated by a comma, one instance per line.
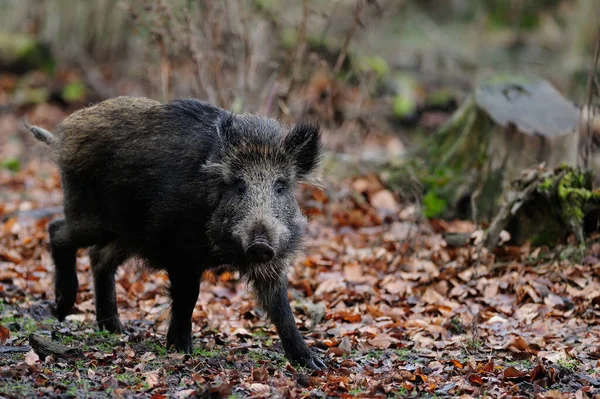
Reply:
x=185, y=287
x=272, y=295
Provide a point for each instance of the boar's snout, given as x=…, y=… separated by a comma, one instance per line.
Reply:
x=260, y=251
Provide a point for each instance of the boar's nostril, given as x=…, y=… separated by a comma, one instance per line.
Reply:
x=260, y=251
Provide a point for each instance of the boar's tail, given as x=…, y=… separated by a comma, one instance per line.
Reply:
x=39, y=133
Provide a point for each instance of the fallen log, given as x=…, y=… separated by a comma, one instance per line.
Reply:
x=43, y=347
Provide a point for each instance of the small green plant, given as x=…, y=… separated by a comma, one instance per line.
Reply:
x=259, y=333
x=455, y=326
x=570, y=364
x=356, y=392
x=14, y=390
x=525, y=364
x=128, y=378
x=474, y=343
x=29, y=325
x=198, y=351
x=159, y=349
x=374, y=354
x=8, y=319
x=402, y=353
x=48, y=322
x=105, y=347
x=67, y=340
x=262, y=355
x=401, y=393
x=79, y=364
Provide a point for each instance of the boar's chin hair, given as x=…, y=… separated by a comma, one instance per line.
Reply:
x=274, y=271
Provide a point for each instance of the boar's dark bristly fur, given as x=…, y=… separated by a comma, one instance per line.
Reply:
x=186, y=187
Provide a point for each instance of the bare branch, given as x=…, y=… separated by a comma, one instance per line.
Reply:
x=300, y=48
x=590, y=97
x=345, y=47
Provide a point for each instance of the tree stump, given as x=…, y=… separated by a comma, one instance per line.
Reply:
x=508, y=124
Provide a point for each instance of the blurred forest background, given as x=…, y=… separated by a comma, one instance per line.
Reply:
x=380, y=76
x=430, y=110
x=352, y=64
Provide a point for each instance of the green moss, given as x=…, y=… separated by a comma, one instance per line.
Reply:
x=375, y=64
x=439, y=97
x=74, y=91
x=289, y=37
x=574, y=194
x=433, y=205
x=12, y=164
x=267, y=5
x=404, y=106
x=547, y=184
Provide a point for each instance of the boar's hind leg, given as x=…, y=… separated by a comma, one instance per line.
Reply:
x=105, y=260
x=65, y=279
x=64, y=243
x=185, y=287
x=272, y=295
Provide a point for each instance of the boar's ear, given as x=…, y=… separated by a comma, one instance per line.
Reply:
x=227, y=130
x=303, y=144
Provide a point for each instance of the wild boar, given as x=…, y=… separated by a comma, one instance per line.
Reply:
x=186, y=187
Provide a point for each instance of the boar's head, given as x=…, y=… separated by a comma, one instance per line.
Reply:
x=257, y=163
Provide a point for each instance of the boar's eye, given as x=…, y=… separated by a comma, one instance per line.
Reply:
x=280, y=187
x=240, y=186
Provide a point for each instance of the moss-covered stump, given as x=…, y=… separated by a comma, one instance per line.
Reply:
x=545, y=206
x=508, y=124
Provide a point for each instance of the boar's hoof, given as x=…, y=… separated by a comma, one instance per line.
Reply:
x=112, y=324
x=311, y=361
x=181, y=344
x=64, y=304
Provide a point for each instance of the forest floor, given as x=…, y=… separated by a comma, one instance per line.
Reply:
x=392, y=309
